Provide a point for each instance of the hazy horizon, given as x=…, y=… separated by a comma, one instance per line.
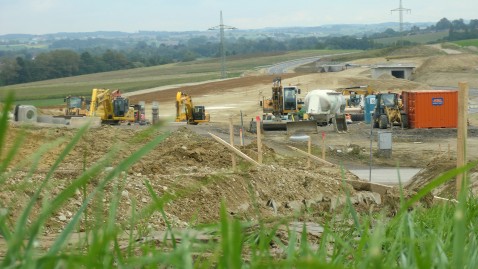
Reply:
x=54, y=16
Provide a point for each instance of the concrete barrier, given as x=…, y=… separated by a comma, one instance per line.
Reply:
x=78, y=122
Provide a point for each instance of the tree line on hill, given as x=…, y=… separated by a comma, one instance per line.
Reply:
x=72, y=57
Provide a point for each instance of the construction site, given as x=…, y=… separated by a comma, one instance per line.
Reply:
x=311, y=172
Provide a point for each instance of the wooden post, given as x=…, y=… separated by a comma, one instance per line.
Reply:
x=259, y=141
x=241, y=137
x=462, y=129
x=238, y=152
x=309, y=150
x=231, y=140
x=323, y=145
x=314, y=158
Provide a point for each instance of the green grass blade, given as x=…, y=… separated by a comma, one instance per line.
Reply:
x=63, y=196
x=460, y=230
x=4, y=119
x=447, y=176
x=59, y=200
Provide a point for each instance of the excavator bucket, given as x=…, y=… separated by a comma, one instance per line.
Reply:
x=340, y=123
x=302, y=127
x=274, y=126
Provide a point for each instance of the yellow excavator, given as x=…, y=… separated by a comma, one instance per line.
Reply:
x=281, y=112
x=76, y=106
x=111, y=107
x=187, y=112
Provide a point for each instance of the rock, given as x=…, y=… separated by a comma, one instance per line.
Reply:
x=295, y=205
x=337, y=201
x=243, y=207
x=125, y=194
x=108, y=169
x=62, y=217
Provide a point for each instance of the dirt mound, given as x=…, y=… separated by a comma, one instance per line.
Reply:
x=434, y=169
x=412, y=51
x=192, y=172
x=449, y=63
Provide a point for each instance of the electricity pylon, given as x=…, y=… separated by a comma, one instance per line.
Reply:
x=400, y=10
x=221, y=28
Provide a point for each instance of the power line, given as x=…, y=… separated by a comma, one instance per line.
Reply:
x=400, y=10
x=221, y=28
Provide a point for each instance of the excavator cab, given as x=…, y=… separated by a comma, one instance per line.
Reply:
x=186, y=111
x=77, y=106
x=199, y=113
x=120, y=107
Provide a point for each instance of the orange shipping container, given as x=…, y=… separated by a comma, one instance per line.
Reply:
x=431, y=109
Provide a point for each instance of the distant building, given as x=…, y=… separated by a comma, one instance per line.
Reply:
x=395, y=69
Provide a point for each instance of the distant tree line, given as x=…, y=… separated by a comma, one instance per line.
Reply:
x=457, y=30
x=26, y=66
x=72, y=57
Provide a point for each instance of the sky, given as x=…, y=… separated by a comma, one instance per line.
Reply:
x=53, y=16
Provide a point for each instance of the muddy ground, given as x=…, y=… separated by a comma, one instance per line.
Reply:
x=194, y=172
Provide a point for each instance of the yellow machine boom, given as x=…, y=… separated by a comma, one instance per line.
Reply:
x=110, y=106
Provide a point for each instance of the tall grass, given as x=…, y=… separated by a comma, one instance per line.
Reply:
x=443, y=236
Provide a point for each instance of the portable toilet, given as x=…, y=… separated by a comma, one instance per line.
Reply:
x=369, y=108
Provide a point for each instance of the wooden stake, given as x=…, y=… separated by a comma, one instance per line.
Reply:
x=231, y=140
x=315, y=158
x=309, y=147
x=259, y=141
x=461, y=134
x=238, y=152
x=323, y=145
x=241, y=137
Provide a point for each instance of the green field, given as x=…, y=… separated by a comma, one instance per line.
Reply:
x=149, y=77
x=420, y=39
x=466, y=43
x=22, y=46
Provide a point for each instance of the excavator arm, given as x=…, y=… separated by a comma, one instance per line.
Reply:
x=185, y=110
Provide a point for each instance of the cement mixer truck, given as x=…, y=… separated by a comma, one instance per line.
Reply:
x=324, y=107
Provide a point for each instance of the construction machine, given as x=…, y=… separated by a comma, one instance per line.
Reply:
x=76, y=106
x=281, y=111
x=389, y=111
x=187, y=112
x=355, y=98
x=325, y=107
x=111, y=107
x=355, y=94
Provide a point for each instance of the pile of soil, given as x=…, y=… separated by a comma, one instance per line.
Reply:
x=435, y=168
x=449, y=63
x=191, y=172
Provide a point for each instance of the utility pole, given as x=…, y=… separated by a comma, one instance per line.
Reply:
x=221, y=28
x=400, y=10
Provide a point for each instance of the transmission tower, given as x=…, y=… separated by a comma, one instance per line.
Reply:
x=400, y=10
x=221, y=28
